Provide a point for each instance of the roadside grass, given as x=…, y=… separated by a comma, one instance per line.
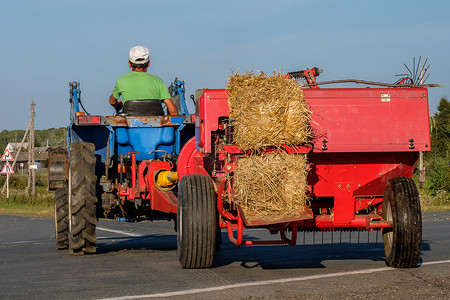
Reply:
x=19, y=203
x=439, y=202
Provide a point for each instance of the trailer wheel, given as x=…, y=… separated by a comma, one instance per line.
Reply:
x=401, y=206
x=196, y=222
x=62, y=218
x=83, y=219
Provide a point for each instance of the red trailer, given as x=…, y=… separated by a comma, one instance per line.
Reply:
x=366, y=146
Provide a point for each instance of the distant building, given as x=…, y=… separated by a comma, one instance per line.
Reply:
x=42, y=149
x=14, y=147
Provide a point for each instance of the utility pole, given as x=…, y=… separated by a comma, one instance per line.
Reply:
x=421, y=166
x=31, y=171
x=18, y=152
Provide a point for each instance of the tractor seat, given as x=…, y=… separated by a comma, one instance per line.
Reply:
x=146, y=107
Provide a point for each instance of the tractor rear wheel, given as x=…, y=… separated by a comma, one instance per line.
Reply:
x=62, y=218
x=401, y=206
x=196, y=222
x=83, y=219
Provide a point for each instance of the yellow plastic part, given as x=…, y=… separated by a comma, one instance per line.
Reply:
x=167, y=178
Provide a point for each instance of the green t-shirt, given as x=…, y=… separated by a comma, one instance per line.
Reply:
x=139, y=86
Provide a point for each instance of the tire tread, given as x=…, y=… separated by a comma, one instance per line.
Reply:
x=62, y=218
x=196, y=222
x=404, y=252
x=82, y=236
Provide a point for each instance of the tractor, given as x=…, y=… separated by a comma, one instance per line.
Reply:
x=117, y=167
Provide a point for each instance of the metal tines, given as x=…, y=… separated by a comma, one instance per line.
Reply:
x=418, y=74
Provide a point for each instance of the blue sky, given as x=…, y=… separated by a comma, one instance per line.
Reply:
x=46, y=44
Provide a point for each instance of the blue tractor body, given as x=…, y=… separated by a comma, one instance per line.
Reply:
x=130, y=153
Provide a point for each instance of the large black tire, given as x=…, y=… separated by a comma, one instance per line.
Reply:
x=62, y=218
x=401, y=206
x=196, y=222
x=83, y=219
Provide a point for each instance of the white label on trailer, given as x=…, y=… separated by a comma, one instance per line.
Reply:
x=385, y=97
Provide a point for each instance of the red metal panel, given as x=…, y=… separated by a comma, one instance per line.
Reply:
x=360, y=222
x=370, y=119
x=344, y=202
x=368, y=172
x=164, y=201
x=213, y=105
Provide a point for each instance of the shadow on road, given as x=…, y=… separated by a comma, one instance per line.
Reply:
x=299, y=256
x=147, y=242
x=263, y=256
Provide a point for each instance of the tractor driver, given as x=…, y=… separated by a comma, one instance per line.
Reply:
x=140, y=85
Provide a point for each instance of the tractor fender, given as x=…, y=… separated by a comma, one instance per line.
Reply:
x=191, y=161
x=58, y=168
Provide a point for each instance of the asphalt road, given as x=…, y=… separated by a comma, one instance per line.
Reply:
x=139, y=261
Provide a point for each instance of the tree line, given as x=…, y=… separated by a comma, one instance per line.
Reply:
x=437, y=161
x=52, y=137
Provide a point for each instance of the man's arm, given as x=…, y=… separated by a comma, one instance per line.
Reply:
x=173, y=111
x=116, y=104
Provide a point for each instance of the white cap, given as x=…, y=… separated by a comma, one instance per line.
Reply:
x=139, y=55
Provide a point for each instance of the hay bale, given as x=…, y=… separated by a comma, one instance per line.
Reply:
x=267, y=111
x=271, y=185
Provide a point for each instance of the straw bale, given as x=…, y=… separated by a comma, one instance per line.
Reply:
x=271, y=185
x=267, y=111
